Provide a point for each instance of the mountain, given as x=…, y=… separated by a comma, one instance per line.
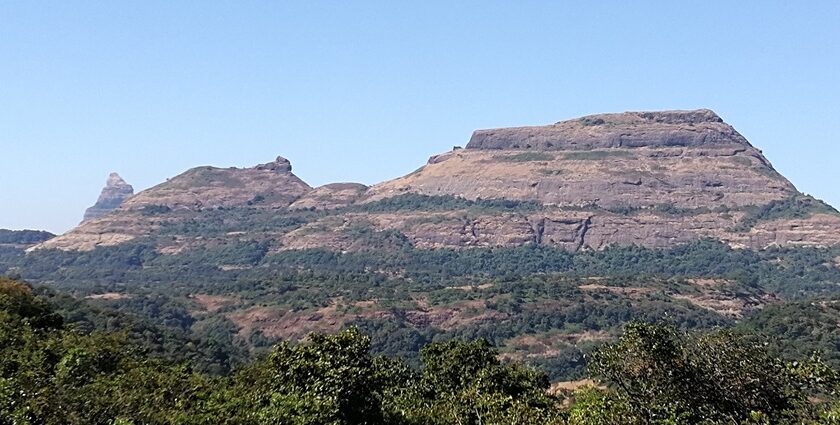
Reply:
x=23, y=238
x=116, y=191
x=652, y=179
x=543, y=240
x=199, y=190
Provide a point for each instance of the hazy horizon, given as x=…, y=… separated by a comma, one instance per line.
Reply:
x=367, y=92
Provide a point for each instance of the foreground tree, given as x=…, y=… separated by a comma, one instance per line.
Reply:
x=653, y=374
x=464, y=383
x=53, y=375
x=662, y=375
x=331, y=379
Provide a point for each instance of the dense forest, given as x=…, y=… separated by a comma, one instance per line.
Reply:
x=54, y=372
x=542, y=306
x=239, y=332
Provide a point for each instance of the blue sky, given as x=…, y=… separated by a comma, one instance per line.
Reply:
x=367, y=91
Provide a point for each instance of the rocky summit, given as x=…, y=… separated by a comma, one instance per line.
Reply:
x=652, y=179
x=687, y=159
x=626, y=130
x=116, y=191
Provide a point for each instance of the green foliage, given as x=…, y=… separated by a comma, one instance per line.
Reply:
x=550, y=172
x=667, y=376
x=464, y=383
x=588, y=121
x=50, y=374
x=797, y=206
x=53, y=375
x=173, y=336
x=153, y=210
x=532, y=290
x=417, y=202
x=17, y=300
x=368, y=238
x=256, y=199
x=596, y=155
x=330, y=380
x=796, y=329
x=525, y=157
x=593, y=406
x=24, y=237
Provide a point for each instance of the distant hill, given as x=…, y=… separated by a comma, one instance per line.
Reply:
x=23, y=237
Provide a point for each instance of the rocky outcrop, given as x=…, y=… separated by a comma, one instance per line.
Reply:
x=271, y=185
x=818, y=230
x=115, y=192
x=279, y=165
x=626, y=130
x=686, y=159
x=569, y=230
x=609, y=178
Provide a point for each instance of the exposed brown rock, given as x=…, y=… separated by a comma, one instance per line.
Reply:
x=819, y=230
x=330, y=196
x=547, y=345
x=630, y=129
x=279, y=165
x=454, y=315
x=570, y=230
x=639, y=177
x=116, y=191
x=268, y=186
x=728, y=305
x=108, y=230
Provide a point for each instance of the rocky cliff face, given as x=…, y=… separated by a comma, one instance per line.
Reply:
x=116, y=191
x=655, y=179
x=692, y=129
x=688, y=159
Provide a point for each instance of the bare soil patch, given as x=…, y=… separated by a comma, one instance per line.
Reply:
x=629, y=291
x=724, y=304
x=453, y=316
x=213, y=302
x=705, y=282
x=109, y=296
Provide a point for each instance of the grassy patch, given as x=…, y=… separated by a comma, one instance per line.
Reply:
x=417, y=202
x=768, y=172
x=797, y=206
x=740, y=160
x=589, y=122
x=596, y=155
x=525, y=157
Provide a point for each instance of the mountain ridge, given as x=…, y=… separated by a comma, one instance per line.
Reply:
x=654, y=179
x=701, y=127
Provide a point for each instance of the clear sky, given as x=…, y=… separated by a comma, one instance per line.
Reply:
x=367, y=91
